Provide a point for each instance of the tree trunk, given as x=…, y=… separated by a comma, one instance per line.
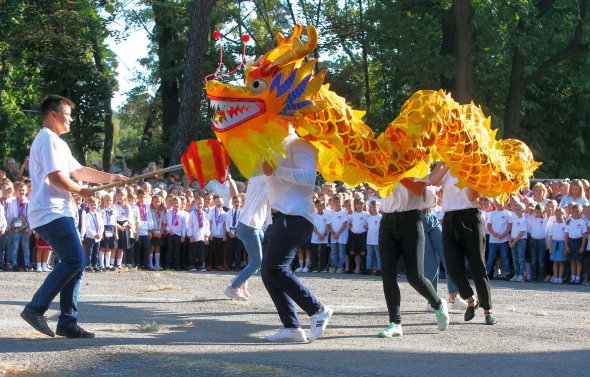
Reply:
x=169, y=90
x=515, y=94
x=365, y=57
x=148, y=128
x=193, y=76
x=109, y=128
x=459, y=42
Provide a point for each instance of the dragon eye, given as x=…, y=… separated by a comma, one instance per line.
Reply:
x=258, y=86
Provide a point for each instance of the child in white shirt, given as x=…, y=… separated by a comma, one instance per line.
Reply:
x=176, y=228
x=575, y=242
x=94, y=229
x=217, y=239
x=539, y=227
x=357, y=224
x=517, y=242
x=319, y=237
x=198, y=232
x=557, y=246
x=373, y=223
x=499, y=225
x=339, y=231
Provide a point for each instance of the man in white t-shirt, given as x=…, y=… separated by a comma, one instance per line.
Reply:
x=51, y=215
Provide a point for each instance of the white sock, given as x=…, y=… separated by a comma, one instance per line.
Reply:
x=38, y=266
x=119, y=261
x=101, y=258
x=157, y=256
x=301, y=265
x=357, y=260
x=150, y=262
x=107, y=259
x=44, y=266
x=307, y=263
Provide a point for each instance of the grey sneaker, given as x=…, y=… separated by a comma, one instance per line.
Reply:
x=393, y=330
x=442, y=316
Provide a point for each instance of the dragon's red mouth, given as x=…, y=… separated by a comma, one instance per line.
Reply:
x=231, y=112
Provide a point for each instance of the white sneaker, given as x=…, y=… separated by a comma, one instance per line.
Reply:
x=234, y=294
x=298, y=269
x=392, y=330
x=305, y=269
x=514, y=278
x=459, y=304
x=442, y=316
x=520, y=278
x=288, y=336
x=46, y=269
x=429, y=308
x=319, y=322
x=38, y=269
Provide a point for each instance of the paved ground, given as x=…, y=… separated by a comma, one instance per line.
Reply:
x=170, y=324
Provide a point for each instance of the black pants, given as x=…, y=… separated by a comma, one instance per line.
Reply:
x=173, y=254
x=92, y=246
x=196, y=253
x=402, y=234
x=283, y=238
x=464, y=237
x=235, y=249
x=215, y=255
x=142, y=250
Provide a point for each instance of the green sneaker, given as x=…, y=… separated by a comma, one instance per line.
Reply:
x=392, y=330
x=442, y=316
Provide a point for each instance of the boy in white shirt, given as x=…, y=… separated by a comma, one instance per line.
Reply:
x=176, y=228
x=539, y=225
x=235, y=247
x=20, y=231
x=198, y=232
x=93, y=229
x=217, y=218
x=576, y=232
x=517, y=243
x=319, y=237
x=499, y=225
x=357, y=223
x=373, y=223
x=338, y=227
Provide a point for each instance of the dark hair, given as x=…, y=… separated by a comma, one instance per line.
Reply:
x=54, y=102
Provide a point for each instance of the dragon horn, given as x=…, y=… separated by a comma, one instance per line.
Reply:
x=299, y=49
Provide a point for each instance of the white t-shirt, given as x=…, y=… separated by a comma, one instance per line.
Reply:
x=519, y=225
x=401, y=199
x=575, y=228
x=49, y=154
x=216, y=222
x=336, y=221
x=255, y=208
x=357, y=221
x=373, y=223
x=453, y=198
x=557, y=231
x=570, y=199
x=539, y=227
x=500, y=221
x=320, y=222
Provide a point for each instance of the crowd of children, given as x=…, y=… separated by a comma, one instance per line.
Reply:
x=538, y=235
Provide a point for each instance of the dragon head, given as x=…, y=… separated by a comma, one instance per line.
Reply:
x=252, y=120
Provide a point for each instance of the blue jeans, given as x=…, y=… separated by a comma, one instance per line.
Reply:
x=538, y=251
x=17, y=239
x=5, y=244
x=373, y=250
x=494, y=247
x=252, y=239
x=434, y=252
x=518, y=255
x=337, y=252
x=62, y=236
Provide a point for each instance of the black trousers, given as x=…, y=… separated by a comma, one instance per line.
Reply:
x=235, y=249
x=215, y=255
x=283, y=238
x=464, y=237
x=173, y=253
x=142, y=250
x=196, y=252
x=318, y=255
x=402, y=234
x=92, y=246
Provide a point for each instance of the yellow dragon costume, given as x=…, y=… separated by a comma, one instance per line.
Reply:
x=281, y=89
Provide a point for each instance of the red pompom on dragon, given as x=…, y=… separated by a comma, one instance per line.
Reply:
x=282, y=91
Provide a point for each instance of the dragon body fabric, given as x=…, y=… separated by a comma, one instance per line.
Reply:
x=281, y=91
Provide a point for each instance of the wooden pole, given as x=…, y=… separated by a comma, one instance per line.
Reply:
x=138, y=178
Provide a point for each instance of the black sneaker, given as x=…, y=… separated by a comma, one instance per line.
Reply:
x=74, y=332
x=470, y=312
x=37, y=321
x=490, y=320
